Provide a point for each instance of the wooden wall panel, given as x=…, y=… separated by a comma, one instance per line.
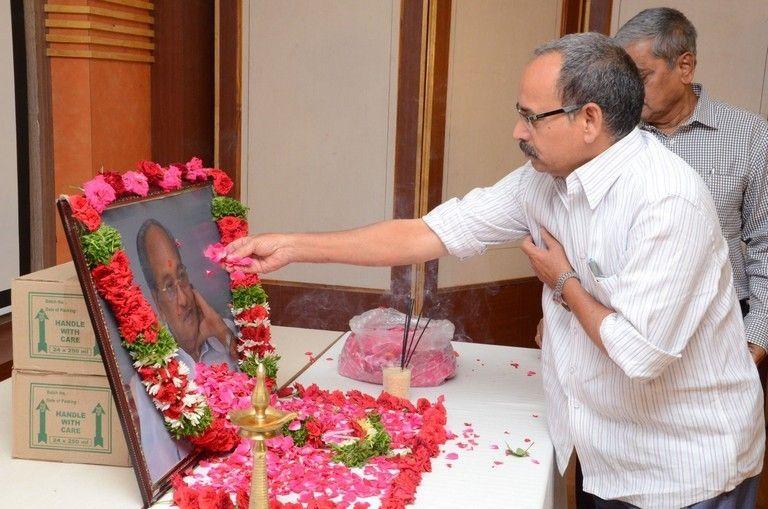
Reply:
x=183, y=81
x=99, y=55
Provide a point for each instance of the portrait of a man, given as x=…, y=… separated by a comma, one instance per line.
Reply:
x=165, y=240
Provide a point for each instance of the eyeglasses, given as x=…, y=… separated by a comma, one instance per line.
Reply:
x=533, y=117
x=170, y=290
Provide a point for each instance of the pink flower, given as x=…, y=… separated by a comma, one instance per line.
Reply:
x=136, y=183
x=99, y=193
x=171, y=178
x=195, y=171
x=216, y=252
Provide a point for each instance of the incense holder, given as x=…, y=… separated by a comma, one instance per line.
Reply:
x=397, y=381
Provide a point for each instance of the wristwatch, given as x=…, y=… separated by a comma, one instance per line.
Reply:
x=557, y=294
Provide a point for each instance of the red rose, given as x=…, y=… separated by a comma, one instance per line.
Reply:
x=222, y=184
x=253, y=314
x=117, y=274
x=134, y=316
x=115, y=181
x=211, y=498
x=147, y=373
x=263, y=349
x=241, y=280
x=168, y=393
x=184, y=496
x=84, y=212
x=174, y=411
x=219, y=437
x=260, y=334
x=152, y=170
x=231, y=228
x=243, y=498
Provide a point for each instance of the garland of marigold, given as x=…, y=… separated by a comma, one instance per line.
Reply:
x=152, y=347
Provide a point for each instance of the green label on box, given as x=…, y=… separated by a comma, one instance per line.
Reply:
x=70, y=418
x=59, y=328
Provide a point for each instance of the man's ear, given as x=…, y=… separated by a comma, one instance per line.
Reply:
x=686, y=66
x=592, y=122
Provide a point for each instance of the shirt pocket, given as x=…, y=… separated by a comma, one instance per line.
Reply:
x=727, y=189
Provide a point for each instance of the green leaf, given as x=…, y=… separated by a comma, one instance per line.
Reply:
x=358, y=453
x=251, y=364
x=247, y=296
x=222, y=206
x=519, y=452
x=151, y=354
x=300, y=435
x=99, y=246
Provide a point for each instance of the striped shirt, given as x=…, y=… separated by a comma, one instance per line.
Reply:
x=728, y=148
x=673, y=414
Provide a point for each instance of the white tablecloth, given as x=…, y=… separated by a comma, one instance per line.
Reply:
x=500, y=403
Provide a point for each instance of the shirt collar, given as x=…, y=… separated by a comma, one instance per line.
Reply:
x=598, y=175
x=703, y=112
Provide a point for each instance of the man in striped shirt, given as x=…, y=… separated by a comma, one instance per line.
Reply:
x=645, y=367
x=727, y=146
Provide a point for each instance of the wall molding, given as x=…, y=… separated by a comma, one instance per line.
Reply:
x=68, y=32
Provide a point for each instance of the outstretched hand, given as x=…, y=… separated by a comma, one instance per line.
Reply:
x=266, y=250
x=212, y=325
x=548, y=262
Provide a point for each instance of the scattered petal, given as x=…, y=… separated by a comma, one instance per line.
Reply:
x=530, y=373
x=452, y=456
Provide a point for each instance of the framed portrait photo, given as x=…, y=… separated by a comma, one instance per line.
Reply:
x=154, y=328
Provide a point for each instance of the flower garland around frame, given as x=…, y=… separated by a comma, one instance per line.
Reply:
x=152, y=347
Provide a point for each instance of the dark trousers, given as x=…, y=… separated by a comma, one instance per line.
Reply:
x=743, y=496
x=586, y=500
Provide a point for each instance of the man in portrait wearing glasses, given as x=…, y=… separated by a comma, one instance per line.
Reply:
x=196, y=326
x=202, y=335
x=645, y=366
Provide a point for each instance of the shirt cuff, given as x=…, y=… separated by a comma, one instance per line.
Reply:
x=756, y=327
x=636, y=356
x=445, y=221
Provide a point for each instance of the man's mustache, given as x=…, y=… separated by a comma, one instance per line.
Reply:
x=528, y=149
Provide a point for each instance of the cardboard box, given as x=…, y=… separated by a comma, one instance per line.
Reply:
x=51, y=327
x=68, y=418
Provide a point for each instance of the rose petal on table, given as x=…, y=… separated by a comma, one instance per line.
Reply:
x=451, y=456
x=530, y=373
x=534, y=461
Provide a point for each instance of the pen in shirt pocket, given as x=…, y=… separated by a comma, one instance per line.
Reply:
x=594, y=268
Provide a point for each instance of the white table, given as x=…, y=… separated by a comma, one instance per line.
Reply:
x=502, y=403
x=32, y=484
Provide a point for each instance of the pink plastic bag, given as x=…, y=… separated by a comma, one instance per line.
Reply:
x=376, y=342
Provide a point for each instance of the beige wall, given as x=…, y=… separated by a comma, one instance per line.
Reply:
x=491, y=41
x=9, y=239
x=319, y=112
x=732, y=45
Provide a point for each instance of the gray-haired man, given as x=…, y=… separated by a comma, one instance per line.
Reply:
x=727, y=146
